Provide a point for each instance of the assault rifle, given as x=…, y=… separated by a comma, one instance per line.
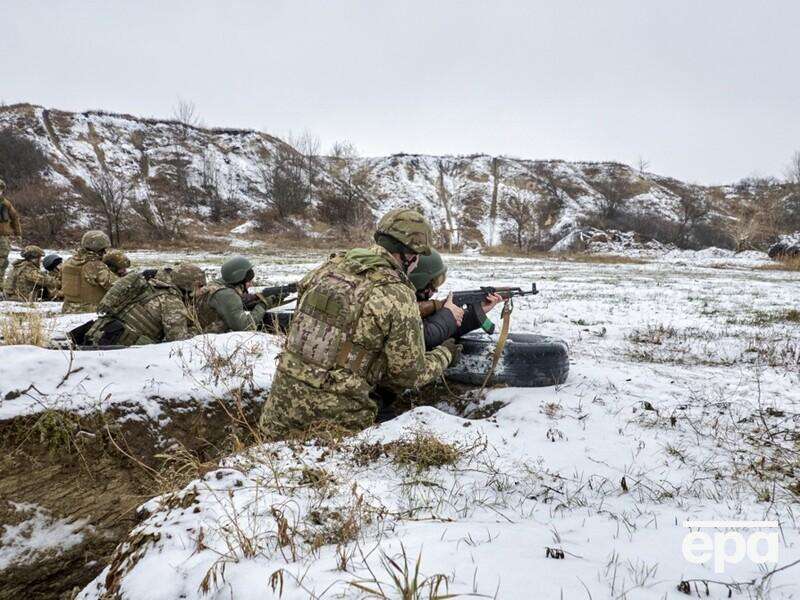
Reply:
x=281, y=291
x=467, y=298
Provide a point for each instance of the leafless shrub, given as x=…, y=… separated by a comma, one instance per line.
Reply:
x=45, y=211
x=21, y=160
x=344, y=201
x=521, y=214
x=110, y=197
x=287, y=188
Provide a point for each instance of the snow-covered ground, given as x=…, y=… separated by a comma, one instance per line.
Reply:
x=682, y=404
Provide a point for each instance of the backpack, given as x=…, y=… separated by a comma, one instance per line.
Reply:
x=123, y=293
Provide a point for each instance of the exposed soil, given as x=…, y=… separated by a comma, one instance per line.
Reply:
x=96, y=469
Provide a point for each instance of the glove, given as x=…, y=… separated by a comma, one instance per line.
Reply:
x=455, y=350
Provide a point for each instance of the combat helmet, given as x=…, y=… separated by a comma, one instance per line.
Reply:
x=117, y=261
x=237, y=270
x=95, y=240
x=32, y=252
x=406, y=227
x=51, y=261
x=430, y=270
x=187, y=277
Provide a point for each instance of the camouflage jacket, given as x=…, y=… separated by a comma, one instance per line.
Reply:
x=323, y=366
x=158, y=315
x=27, y=283
x=219, y=309
x=85, y=278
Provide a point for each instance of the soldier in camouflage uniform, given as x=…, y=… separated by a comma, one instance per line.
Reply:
x=85, y=278
x=137, y=311
x=219, y=307
x=9, y=226
x=356, y=326
x=26, y=282
x=117, y=261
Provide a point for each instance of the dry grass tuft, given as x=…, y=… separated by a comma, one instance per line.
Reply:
x=787, y=264
x=423, y=451
x=26, y=328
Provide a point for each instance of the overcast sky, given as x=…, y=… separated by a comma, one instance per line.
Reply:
x=705, y=90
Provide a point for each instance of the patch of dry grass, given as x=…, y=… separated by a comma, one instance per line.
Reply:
x=787, y=264
x=423, y=450
x=578, y=257
x=25, y=328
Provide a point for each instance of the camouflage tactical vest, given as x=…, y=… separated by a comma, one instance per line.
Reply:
x=204, y=315
x=141, y=319
x=320, y=338
x=74, y=285
x=11, y=287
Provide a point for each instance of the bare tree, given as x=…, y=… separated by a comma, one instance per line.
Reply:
x=756, y=212
x=287, y=189
x=793, y=171
x=521, y=214
x=110, y=197
x=614, y=189
x=693, y=209
x=185, y=113
x=344, y=198
x=642, y=164
x=161, y=215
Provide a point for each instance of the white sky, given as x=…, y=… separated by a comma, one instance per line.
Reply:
x=705, y=90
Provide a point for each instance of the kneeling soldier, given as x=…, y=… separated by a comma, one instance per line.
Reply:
x=137, y=311
x=26, y=282
x=85, y=277
x=357, y=325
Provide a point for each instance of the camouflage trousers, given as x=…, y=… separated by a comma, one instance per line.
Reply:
x=5, y=250
x=74, y=307
x=294, y=406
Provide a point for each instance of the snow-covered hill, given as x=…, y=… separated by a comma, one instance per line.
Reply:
x=477, y=200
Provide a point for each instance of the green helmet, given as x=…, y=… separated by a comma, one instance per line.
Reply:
x=31, y=252
x=95, y=240
x=430, y=270
x=187, y=276
x=51, y=261
x=408, y=227
x=116, y=261
x=236, y=270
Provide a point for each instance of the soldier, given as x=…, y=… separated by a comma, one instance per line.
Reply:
x=356, y=326
x=26, y=282
x=219, y=305
x=443, y=319
x=117, y=261
x=138, y=311
x=52, y=264
x=85, y=278
x=9, y=226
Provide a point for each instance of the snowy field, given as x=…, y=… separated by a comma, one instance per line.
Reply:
x=683, y=403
